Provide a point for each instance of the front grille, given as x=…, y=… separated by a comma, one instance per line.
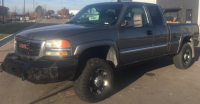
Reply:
x=31, y=49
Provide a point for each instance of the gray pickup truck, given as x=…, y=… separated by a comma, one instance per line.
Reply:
x=95, y=42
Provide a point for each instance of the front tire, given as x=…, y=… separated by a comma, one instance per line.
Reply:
x=95, y=82
x=184, y=58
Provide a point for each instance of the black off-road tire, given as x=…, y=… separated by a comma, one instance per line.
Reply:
x=179, y=58
x=81, y=85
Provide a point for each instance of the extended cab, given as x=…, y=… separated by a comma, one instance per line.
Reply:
x=96, y=41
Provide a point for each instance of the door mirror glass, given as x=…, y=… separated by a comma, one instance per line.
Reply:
x=137, y=19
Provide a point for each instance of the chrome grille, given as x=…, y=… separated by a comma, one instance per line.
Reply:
x=33, y=49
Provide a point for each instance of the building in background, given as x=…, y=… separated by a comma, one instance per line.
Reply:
x=178, y=11
x=181, y=11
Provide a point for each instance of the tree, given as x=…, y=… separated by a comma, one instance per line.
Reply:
x=16, y=10
x=33, y=15
x=13, y=14
x=6, y=9
x=44, y=10
x=63, y=12
x=59, y=12
x=40, y=11
x=49, y=12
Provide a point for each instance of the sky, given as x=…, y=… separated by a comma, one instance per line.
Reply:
x=55, y=4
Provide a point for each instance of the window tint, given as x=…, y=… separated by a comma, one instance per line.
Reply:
x=98, y=14
x=133, y=10
x=156, y=16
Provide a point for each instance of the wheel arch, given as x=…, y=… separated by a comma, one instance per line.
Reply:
x=187, y=38
x=107, y=46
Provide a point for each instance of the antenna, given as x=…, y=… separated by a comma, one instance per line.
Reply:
x=118, y=0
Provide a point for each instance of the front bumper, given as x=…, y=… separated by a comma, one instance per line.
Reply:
x=40, y=71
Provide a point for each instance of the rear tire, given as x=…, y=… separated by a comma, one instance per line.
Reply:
x=184, y=58
x=95, y=82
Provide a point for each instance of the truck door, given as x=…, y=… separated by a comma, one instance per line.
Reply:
x=135, y=44
x=161, y=35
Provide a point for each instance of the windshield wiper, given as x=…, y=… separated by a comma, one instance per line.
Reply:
x=89, y=22
x=71, y=22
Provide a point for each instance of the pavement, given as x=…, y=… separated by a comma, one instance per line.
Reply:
x=155, y=82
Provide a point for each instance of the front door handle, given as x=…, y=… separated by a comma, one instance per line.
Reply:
x=149, y=32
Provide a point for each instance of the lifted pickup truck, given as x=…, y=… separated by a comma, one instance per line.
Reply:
x=99, y=39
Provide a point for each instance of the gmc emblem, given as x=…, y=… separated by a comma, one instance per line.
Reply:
x=24, y=46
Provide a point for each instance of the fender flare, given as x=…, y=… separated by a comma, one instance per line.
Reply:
x=183, y=36
x=81, y=48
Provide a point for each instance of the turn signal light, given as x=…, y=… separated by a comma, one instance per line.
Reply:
x=65, y=44
x=63, y=54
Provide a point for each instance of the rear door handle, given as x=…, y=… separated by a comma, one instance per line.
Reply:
x=149, y=32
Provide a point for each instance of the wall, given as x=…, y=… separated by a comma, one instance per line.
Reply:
x=185, y=4
x=199, y=16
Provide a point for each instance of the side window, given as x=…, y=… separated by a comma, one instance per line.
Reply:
x=156, y=16
x=110, y=14
x=133, y=10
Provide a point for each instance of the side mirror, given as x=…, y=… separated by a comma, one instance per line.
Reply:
x=136, y=22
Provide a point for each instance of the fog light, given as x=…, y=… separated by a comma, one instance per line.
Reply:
x=56, y=53
x=63, y=53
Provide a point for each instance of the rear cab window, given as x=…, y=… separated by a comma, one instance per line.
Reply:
x=155, y=14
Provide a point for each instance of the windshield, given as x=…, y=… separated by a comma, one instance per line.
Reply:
x=98, y=14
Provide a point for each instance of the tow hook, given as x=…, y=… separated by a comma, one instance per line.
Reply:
x=23, y=78
x=1, y=68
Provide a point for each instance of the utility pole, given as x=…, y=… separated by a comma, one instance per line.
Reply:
x=24, y=12
x=61, y=3
x=3, y=10
x=33, y=6
x=33, y=9
x=61, y=10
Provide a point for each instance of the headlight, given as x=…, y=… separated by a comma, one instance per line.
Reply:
x=58, y=44
x=57, y=48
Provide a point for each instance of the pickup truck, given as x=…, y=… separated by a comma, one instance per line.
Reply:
x=98, y=40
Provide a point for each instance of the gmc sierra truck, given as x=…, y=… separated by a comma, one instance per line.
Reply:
x=95, y=42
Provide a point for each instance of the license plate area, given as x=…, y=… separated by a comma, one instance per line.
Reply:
x=17, y=62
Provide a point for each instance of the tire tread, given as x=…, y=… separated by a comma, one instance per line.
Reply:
x=79, y=84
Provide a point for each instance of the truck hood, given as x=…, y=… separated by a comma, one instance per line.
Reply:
x=58, y=31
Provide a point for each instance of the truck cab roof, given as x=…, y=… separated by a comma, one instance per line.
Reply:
x=124, y=2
